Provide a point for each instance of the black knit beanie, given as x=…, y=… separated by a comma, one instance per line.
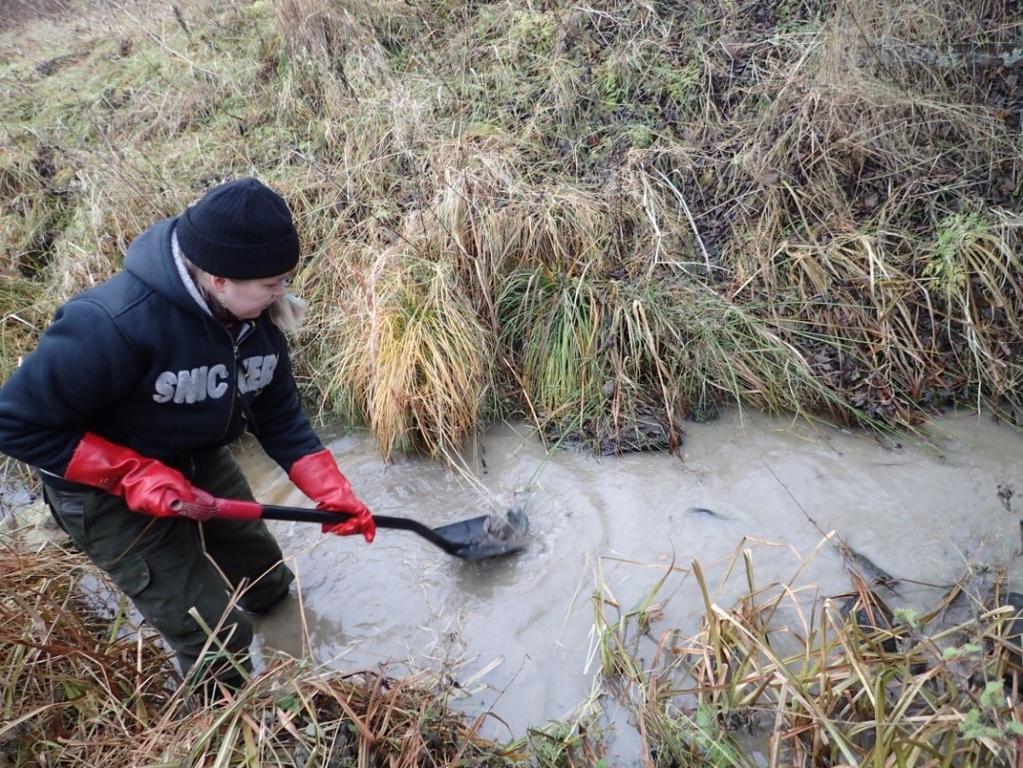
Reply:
x=241, y=230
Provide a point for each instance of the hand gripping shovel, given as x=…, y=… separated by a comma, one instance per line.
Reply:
x=475, y=539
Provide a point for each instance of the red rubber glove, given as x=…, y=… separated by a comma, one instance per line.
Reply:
x=147, y=485
x=318, y=477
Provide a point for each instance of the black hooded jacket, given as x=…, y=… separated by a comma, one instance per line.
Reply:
x=140, y=362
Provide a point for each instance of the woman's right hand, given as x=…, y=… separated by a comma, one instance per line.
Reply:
x=147, y=485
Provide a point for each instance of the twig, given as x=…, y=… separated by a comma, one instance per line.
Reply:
x=689, y=216
x=847, y=553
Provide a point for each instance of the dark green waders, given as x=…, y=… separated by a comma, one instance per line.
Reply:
x=171, y=565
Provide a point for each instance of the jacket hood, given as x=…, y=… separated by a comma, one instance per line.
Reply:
x=149, y=258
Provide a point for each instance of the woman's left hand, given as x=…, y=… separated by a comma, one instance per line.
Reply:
x=318, y=477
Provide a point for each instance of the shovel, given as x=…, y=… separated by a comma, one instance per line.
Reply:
x=474, y=539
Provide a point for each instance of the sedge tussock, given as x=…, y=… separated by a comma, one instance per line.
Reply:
x=416, y=364
x=433, y=361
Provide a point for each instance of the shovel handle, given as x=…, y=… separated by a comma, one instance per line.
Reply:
x=236, y=509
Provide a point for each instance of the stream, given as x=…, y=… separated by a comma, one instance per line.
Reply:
x=516, y=633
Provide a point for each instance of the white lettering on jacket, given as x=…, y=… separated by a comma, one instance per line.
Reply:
x=197, y=384
x=256, y=372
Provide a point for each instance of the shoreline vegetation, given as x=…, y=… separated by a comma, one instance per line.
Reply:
x=607, y=218
x=794, y=678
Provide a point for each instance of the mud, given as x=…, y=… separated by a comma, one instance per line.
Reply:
x=515, y=634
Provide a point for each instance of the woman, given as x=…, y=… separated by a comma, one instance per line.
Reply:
x=127, y=404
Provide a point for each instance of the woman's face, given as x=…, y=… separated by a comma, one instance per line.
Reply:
x=246, y=299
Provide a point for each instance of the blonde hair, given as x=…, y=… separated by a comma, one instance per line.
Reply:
x=288, y=312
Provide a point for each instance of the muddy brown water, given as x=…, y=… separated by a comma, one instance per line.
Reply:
x=517, y=633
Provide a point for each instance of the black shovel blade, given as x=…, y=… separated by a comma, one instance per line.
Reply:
x=479, y=538
x=474, y=539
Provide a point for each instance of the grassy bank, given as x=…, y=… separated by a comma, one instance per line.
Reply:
x=607, y=218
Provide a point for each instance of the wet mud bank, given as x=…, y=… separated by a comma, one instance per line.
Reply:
x=515, y=635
